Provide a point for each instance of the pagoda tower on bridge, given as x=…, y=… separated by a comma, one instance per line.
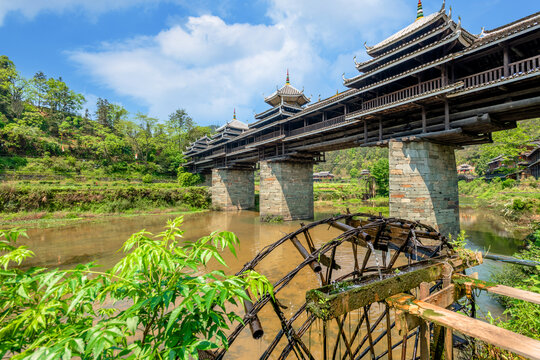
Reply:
x=285, y=102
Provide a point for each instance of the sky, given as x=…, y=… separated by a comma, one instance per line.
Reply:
x=209, y=56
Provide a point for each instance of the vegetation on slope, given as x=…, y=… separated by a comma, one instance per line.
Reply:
x=43, y=132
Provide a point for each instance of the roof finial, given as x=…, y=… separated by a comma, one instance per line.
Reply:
x=443, y=6
x=234, y=114
x=419, y=12
x=287, y=82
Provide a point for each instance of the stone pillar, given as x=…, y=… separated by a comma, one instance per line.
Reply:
x=233, y=189
x=423, y=184
x=286, y=189
x=207, y=179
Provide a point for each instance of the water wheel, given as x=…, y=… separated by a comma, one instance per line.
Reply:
x=378, y=246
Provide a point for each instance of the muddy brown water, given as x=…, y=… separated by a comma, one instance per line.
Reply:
x=100, y=242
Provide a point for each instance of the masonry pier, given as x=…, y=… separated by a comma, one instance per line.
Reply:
x=423, y=184
x=286, y=189
x=233, y=189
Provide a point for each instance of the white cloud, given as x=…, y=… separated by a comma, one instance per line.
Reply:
x=30, y=8
x=208, y=66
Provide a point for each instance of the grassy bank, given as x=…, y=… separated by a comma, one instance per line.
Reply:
x=338, y=197
x=53, y=202
x=517, y=201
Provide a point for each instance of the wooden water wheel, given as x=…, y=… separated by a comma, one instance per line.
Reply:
x=401, y=244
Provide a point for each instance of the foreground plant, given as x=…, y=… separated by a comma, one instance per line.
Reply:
x=154, y=303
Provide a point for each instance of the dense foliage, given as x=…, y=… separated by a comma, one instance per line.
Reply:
x=513, y=199
x=509, y=143
x=100, y=198
x=40, y=118
x=153, y=304
x=524, y=317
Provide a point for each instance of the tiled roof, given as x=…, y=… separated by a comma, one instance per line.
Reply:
x=236, y=124
x=448, y=39
x=287, y=90
x=418, y=24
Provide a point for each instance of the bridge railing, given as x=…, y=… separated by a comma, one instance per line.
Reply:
x=515, y=68
x=403, y=94
x=237, y=148
x=525, y=66
x=484, y=77
x=268, y=136
x=330, y=122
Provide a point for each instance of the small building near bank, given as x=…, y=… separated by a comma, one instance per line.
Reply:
x=323, y=175
x=530, y=162
x=465, y=169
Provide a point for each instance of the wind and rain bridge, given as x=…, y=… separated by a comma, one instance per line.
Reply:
x=428, y=89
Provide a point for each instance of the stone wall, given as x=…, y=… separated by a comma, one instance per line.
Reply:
x=286, y=190
x=423, y=184
x=233, y=189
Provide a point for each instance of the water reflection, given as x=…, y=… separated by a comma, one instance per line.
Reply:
x=100, y=242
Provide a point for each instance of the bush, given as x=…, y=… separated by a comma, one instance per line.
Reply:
x=521, y=205
x=147, y=179
x=508, y=183
x=12, y=163
x=186, y=179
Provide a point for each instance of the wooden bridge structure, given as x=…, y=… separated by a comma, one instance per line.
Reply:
x=426, y=90
x=387, y=289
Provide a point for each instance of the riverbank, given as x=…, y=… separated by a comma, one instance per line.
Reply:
x=47, y=204
x=517, y=202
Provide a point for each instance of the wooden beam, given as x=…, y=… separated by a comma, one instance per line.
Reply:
x=478, y=329
x=446, y=115
x=334, y=300
x=424, y=120
x=493, y=288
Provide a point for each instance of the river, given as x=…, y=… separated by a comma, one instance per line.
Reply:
x=100, y=241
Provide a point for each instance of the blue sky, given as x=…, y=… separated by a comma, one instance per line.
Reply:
x=209, y=57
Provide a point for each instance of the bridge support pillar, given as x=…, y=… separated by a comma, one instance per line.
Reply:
x=286, y=189
x=233, y=189
x=423, y=184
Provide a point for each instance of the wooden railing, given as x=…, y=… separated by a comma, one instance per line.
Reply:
x=237, y=148
x=525, y=66
x=268, y=136
x=515, y=68
x=403, y=94
x=484, y=77
x=323, y=124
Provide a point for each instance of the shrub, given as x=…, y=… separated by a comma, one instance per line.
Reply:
x=147, y=179
x=508, y=183
x=12, y=163
x=186, y=179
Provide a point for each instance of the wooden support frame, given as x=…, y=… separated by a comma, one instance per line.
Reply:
x=488, y=333
x=469, y=282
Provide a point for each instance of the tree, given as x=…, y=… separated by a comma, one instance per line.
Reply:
x=147, y=125
x=102, y=112
x=60, y=99
x=179, y=126
x=39, y=87
x=380, y=172
x=18, y=91
x=8, y=74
